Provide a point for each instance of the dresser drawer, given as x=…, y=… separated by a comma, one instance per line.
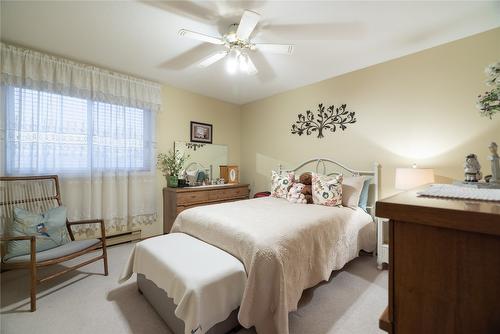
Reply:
x=237, y=192
x=192, y=197
x=176, y=200
x=221, y=194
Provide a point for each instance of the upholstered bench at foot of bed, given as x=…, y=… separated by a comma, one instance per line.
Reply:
x=191, y=284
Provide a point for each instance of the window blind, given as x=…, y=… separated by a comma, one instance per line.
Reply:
x=53, y=133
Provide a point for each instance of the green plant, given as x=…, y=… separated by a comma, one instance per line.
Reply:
x=171, y=163
x=489, y=103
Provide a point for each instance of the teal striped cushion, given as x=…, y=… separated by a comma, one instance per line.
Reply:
x=48, y=227
x=363, y=198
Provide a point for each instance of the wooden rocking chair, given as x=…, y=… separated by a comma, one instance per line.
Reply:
x=38, y=194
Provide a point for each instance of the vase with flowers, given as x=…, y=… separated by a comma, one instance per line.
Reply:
x=171, y=165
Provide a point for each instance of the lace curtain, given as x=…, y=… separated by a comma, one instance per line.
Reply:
x=100, y=143
x=35, y=70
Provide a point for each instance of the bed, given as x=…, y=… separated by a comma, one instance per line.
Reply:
x=284, y=248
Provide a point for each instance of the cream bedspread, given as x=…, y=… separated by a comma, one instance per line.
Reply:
x=284, y=247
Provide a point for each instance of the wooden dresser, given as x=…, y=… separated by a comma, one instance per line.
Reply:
x=444, y=265
x=176, y=200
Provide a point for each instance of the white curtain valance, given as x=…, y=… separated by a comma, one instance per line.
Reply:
x=35, y=70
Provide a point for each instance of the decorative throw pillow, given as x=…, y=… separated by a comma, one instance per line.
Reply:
x=351, y=190
x=363, y=198
x=295, y=194
x=327, y=190
x=281, y=182
x=48, y=227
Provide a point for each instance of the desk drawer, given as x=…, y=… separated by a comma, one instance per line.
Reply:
x=192, y=197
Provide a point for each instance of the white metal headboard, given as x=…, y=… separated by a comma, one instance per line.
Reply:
x=375, y=180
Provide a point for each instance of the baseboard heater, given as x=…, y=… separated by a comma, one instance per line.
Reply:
x=122, y=237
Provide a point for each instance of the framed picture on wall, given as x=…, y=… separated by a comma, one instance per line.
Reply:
x=201, y=132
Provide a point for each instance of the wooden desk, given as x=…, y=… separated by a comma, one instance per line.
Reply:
x=176, y=200
x=444, y=265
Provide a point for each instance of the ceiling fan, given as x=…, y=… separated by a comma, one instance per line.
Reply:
x=237, y=45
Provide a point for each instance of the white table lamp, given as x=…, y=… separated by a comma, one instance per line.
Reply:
x=409, y=178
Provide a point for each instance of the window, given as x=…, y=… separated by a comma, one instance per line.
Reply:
x=48, y=133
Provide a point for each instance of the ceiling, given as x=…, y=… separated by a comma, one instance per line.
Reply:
x=140, y=38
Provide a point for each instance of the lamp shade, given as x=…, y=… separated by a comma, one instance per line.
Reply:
x=408, y=178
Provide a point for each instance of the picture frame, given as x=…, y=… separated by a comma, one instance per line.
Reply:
x=201, y=132
x=230, y=174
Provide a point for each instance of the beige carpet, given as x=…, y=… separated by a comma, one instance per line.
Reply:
x=85, y=301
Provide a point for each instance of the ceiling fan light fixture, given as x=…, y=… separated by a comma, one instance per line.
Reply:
x=243, y=62
x=238, y=44
x=231, y=36
x=232, y=63
x=240, y=62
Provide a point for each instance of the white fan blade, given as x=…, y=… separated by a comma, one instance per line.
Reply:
x=286, y=49
x=247, y=24
x=251, y=69
x=213, y=58
x=200, y=37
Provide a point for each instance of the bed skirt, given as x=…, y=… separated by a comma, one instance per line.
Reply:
x=165, y=307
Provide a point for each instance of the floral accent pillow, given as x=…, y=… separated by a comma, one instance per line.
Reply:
x=280, y=183
x=327, y=190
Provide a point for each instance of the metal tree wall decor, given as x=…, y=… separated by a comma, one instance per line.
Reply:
x=328, y=119
x=194, y=146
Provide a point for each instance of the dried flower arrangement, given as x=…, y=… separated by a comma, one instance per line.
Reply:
x=489, y=103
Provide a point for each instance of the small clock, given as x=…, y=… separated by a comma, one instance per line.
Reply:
x=230, y=173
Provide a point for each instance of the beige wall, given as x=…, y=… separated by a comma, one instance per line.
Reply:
x=419, y=108
x=179, y=108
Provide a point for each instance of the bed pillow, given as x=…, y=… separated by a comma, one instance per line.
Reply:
x=48, y=227
x=351, y=190
x=327, y=190
x=281, y=183
x=363, y=198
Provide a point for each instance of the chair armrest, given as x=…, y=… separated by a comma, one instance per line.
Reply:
x=90, y=221
x=81, y=222
x=32, y=240
x=23, y=237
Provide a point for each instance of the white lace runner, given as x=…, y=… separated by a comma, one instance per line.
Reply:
x=459, y=192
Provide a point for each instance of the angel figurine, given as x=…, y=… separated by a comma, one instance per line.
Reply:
x=495, y=163
x=472, y=169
